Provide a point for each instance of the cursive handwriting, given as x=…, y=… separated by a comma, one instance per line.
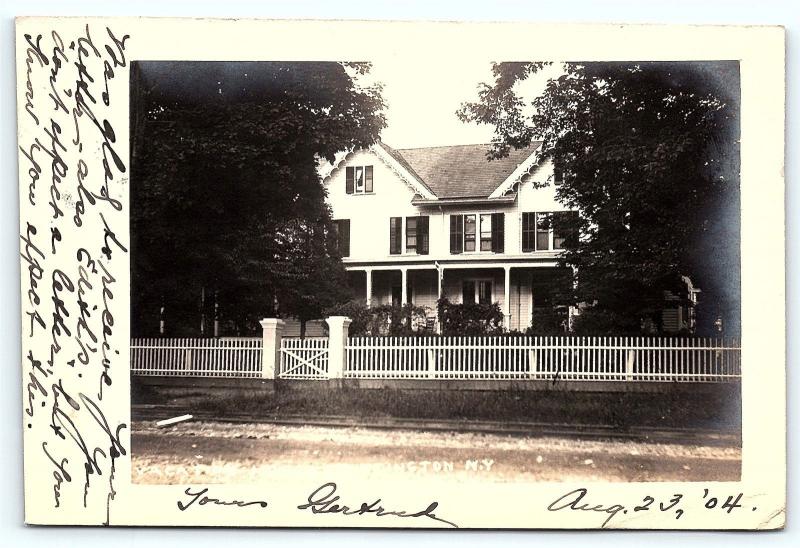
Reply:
x=201, y=499
x=574, y=501
x=71, y=220
x=323, y=500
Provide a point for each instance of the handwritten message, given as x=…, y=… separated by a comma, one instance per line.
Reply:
x=581, y=501
x=73, y=231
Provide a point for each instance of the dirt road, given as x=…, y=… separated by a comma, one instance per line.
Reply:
x=211, y=452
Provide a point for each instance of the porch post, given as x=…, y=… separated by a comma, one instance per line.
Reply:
x=272, y=333
x=439, y=282
x=404, y=282
x=368, y=272
x=507, y=298
x=338, y=328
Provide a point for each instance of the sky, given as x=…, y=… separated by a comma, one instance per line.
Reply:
x=423, y=96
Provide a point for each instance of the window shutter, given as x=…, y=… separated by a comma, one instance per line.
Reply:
x=423, y=235
x=350, y=178
x=344, y=237
x=368, y=179
x=456, y=233
x=498, y=232
x=395, y=235
x=527, y=229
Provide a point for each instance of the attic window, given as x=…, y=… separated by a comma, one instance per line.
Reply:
x=358, y=180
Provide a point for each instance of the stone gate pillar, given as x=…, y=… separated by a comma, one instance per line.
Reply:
x=338, y=329
x=271, y=347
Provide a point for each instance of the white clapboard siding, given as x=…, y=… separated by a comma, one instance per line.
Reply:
x=649, y=359
x=238, y=357
x=304, y=358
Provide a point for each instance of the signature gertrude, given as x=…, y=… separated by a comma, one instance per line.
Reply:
x=323, y=500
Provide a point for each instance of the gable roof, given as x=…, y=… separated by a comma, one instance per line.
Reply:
x=461, y=171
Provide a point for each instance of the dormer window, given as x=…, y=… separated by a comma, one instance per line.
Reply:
x=358, y=180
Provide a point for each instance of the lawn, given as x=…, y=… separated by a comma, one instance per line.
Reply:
x=718, y=409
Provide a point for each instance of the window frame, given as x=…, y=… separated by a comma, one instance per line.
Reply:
x=459, y=235
x=409, y=234
x=476, y=286
x=530, y=231
x=367, y=185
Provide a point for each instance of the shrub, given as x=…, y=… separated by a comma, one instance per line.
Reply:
x=595, y=321
x=469, y=319
x=383, y=319
x=553, y=321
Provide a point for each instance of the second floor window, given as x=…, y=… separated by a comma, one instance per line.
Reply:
x=546, y=231
x=417, y=235
x=477, y=232
x=358, y=180
x=342, y=236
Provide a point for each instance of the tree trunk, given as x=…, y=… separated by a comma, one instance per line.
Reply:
x=302, y=329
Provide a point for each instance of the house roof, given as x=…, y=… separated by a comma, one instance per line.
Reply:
x=460, y=171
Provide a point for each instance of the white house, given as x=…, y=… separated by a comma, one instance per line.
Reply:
x=417, y=224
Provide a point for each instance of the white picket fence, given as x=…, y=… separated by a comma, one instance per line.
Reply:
x=304, y=358
x=238, y=357
x=650, y=359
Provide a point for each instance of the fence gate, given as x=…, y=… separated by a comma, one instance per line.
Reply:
x=304, y=358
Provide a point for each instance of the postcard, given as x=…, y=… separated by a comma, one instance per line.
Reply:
x=363, y=274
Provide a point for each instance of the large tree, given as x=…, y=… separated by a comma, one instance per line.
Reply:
x=650, y=158
x=228, y=213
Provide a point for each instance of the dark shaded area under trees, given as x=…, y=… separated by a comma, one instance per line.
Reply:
x=228, y=217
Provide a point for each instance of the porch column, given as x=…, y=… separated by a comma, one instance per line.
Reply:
x=368, y=272
x=507, y=298
x=404, y=283
x=439, y=283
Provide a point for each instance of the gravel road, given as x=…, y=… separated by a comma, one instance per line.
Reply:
x=210, y=452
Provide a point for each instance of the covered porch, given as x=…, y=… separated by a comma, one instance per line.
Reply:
x=521, y=290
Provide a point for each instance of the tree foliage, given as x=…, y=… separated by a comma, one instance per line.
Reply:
x=226, y=199
x=650, y=158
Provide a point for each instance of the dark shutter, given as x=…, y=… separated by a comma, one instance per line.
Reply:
x=498, y=232
x=350, y=178
x=395, y=234
x=368, y=179
x=456, y=233
x=344, y=237
x=528, y=232
x=423, y=235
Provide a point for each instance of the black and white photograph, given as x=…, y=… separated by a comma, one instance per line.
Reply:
x=401, y=274
x=516, y=271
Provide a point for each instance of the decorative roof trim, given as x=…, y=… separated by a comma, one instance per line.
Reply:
x=413, y=181
x=523, y=169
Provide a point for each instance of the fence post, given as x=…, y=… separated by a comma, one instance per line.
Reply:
x=338, y=327
x=271, y=347
x=629, y=365
x=533, y=366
